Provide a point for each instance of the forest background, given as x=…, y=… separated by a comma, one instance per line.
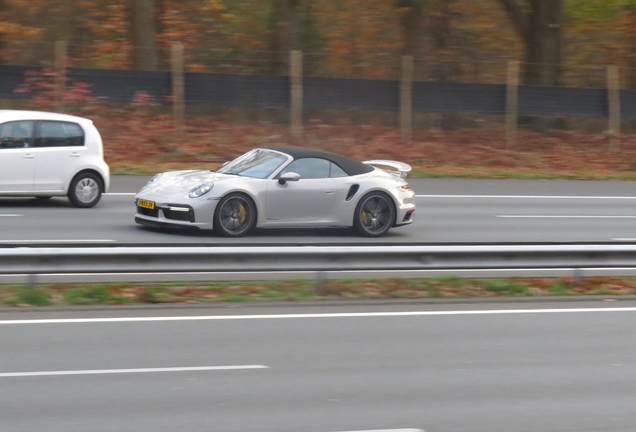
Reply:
x=558, y=43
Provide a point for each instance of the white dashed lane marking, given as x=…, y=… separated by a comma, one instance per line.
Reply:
x=128, y=371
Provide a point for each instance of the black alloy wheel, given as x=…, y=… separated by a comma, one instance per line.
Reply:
x=235, y=216
x=374, y=215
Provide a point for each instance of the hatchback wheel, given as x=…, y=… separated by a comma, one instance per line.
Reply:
x=374, y=215
x=85, y=190
x=235, y=216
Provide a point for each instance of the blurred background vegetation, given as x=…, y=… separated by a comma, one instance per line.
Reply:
x=559, y=42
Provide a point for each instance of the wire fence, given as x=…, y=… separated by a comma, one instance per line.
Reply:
x=330, y=88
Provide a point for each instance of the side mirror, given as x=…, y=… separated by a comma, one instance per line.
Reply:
x=288, y=176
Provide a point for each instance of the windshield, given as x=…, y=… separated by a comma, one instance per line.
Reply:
x=258, y=163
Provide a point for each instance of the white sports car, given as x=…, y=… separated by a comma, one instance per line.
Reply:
x=273, y=187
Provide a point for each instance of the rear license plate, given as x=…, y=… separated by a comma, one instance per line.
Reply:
x=146, y=204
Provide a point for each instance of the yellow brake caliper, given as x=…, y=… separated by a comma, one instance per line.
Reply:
x=242, y=214
x=363, y=217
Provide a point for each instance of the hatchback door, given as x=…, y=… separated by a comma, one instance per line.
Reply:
x=17, y=163
x=59, y=153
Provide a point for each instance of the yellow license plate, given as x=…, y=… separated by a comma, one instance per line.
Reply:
x=146, y=204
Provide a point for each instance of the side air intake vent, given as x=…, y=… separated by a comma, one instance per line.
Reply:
x=352, y=191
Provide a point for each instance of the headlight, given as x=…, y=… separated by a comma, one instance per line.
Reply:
x=154, y=179
x=200, y=190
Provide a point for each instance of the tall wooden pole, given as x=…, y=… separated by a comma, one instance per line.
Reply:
x=61, y=53
x=178, y=86
x=512, y=104
x=614, y=107
x=406, y=98
x=296, y=102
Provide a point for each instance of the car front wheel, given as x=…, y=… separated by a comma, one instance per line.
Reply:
x=235, y=216
x=86, y=190
x=374, y=215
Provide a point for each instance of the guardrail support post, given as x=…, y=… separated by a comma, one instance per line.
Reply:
x=320, y=285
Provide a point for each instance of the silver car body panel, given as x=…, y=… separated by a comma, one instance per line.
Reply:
x=402, y=168
x=322, y=202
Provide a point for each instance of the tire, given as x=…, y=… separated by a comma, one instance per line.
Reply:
x=374, y=215
x=86, y=190
x=235, y=215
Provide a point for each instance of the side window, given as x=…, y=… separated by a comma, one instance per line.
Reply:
x=309, y=168
x=59, y=134
x=18, y=134
x=336, y=171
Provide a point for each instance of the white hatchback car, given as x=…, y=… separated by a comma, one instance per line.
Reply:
x=46, y=154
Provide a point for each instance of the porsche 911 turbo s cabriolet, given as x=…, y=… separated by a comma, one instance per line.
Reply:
x=281, y=186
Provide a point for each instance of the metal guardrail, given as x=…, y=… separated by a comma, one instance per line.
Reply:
x=66, y=264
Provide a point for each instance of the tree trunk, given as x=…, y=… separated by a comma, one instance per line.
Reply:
x=144, y=34
x=411, y=21
x=538, y=22
x=3, y=17
x=543, y=55
x=630, y=15
x=285, y=32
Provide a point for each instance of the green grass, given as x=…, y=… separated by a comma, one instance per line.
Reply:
x=87, y=296
x=306, y=290
x=29, y=296
x=505, y=287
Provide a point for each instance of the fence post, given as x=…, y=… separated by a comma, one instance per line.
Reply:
x=614, y=107
x=406, y=98
x=512, y=103
x=61, y=53
x=296, y=91
x=178, y=86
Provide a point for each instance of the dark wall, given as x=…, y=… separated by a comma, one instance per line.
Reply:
x=224, y=90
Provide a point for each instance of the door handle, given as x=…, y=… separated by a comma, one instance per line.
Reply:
x=75, y=154
x=28, y=156
x=329, y=191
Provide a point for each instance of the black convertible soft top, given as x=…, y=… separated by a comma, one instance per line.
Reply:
x=350, y=166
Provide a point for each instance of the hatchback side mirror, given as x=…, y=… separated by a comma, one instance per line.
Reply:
x=288, y=176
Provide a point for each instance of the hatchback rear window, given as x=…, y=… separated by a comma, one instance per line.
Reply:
x=59, y=134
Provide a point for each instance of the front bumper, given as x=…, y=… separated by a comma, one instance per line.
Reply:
x=169, y=215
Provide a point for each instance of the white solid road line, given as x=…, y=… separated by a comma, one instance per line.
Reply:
x=120, y=194
x=128, y=371
x=532, y=197
x=564, y=217
x=390, y=430
x=317, y=315
x=10, y=215
x=71, y=241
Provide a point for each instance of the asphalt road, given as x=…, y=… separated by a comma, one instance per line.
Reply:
x=449, y=211
x=473, y=367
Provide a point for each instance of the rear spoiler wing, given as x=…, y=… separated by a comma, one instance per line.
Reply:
x=401, y=168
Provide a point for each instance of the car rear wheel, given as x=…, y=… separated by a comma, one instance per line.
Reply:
x=86, y=190
x=374, y=215
x=235, y=216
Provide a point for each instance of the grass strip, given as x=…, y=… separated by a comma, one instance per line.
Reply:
x=307, y=290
